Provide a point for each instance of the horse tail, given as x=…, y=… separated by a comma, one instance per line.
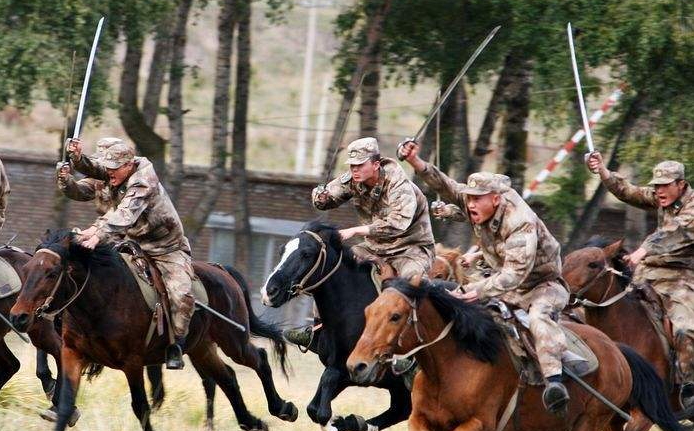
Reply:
x=258, y=327
x=648, y=392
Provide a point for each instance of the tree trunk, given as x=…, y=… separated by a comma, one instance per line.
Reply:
x=175, y=100
x=494, y=107
x=635, y=223
x=242, y=225
x=368, y=124
x=148, y=143
x=157, y=71
x=220, y=121
x=374, y=32
x=516, y=126
x=582, y=229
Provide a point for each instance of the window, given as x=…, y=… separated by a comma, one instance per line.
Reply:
x=267, y=236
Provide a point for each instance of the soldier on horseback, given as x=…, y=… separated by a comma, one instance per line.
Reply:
x=137, y=208
x=393, y=213
x=523, y=254
x=665, y=259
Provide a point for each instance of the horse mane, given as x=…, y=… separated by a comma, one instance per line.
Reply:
x=617, y=261
x=103, y=255
x=474, y=329
x=330, y=234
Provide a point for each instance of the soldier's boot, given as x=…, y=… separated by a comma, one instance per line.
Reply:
x=302, y=337
x=555, y=396
x=687, y=395
x=174, y=354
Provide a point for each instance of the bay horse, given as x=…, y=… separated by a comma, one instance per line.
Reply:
x=467, y=378
x=316, y=262
x=106, y=319
x=598, y=279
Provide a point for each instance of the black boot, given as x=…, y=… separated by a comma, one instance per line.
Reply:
x=174, y=354
x=687, y=395
x=555, y=397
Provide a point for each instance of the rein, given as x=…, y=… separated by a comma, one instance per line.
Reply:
x=578, y=297
x=300, y=288
x=41, y=310
x=412, y=321
x=449, y=267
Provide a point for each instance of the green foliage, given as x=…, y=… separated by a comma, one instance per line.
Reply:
x=563, y=206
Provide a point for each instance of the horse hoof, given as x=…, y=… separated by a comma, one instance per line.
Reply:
x=49, y=415
x=74, y=418
x=157, y=403
x=209, y=425
x=350, y=423
x=260, y=426
x=289, y=412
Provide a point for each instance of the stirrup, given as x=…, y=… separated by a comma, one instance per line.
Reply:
x=174, y=357
x=555, y=398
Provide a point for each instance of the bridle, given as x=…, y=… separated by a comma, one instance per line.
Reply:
x=41, y=310
x=449, y=267
x=603, y=302
x=412, y=322
x=300, y=287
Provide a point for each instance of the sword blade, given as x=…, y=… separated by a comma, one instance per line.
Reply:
x=216, y=313
x=584, y=115
x=624, y=415
x=7, y=322
x=454, y=83
x=85, y=84
x=68, y=101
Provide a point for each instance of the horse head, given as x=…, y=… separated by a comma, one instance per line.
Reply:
x=307, y=261
x=399, y=322
x=586, y=270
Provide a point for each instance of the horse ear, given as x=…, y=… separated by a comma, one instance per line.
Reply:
x=612, y=249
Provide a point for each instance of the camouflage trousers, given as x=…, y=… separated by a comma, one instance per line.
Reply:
x=177, y=273
x=544, y=303
x=675, y=287
x=415, y=261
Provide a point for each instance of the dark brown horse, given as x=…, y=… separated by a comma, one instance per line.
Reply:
x=599, y=278
x=106, y=321
x=467, y=378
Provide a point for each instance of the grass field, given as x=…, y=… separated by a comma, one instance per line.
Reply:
x=105, y=402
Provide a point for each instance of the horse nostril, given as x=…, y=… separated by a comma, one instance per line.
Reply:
x=360, y=368
x=19, y=321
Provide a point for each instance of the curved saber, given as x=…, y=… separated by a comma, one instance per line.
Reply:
x=454, y=83
x=584, y=115
x=85, y=84
x=219, y=315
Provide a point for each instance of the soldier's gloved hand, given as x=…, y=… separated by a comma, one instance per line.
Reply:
x=407, y=149
x=74, y=148
x=440, y=210
x=321, y=195
x=468, y=259
x=62, y=170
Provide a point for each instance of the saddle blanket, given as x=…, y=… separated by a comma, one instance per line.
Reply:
x=10, y=283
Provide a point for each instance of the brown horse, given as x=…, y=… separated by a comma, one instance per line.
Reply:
x=106, y=319
x=449, y=266
x=599, y=278
x=467, y=378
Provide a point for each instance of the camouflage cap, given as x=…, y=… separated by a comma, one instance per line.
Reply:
x=361, y=150
x=667, y=172
x=104, y=143
x=116, y=156
x=481, y=183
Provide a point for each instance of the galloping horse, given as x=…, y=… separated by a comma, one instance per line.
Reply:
x=467, y=378
x=316, y=262
x=598, y=279
x=106, y=319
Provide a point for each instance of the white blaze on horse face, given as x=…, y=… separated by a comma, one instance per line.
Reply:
x=289, y=248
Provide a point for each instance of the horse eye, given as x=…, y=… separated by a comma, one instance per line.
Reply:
x=395, y=317
x=594, y=265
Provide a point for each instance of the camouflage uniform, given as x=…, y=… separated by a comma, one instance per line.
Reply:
x=668, y=266
x=4, y=193
x=142, y=211
x=523, y=254
x=395, y=210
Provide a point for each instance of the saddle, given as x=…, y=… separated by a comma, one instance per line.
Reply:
x=578, y=357
x=152, y=287
x=10, y=283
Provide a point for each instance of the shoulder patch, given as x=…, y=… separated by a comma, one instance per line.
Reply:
x=346, y=177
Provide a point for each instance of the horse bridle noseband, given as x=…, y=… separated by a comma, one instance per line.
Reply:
x=41, y=310
x=412, y=321
x=300, y=287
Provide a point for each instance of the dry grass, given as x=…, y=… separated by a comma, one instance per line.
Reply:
x=105, y=402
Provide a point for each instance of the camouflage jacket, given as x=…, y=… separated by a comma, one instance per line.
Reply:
x=141, y=211
x=672, y=244
x=4, y=193
x=395, y=210
x=514, y=242
x=89, y=188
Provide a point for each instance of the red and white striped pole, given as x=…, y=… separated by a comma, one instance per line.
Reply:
x=571, y=143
